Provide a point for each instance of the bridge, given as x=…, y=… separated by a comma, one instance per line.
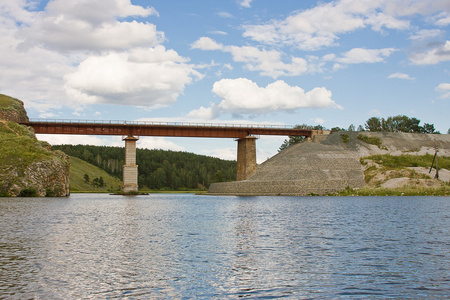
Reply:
x=130, y=131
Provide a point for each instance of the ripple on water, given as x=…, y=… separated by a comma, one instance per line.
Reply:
x=188, y=246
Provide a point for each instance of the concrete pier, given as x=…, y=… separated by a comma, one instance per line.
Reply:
x=130, y=168
x=246, y=158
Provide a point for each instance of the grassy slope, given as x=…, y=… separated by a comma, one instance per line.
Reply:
x=78, y=168
x=18, y=147
x=397, y=167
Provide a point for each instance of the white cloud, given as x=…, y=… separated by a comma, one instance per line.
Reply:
x=380, y=20
x=432, y=56
x=444, y=89
x=116, y=141
x=157, y=143
x=269, y=63
x=400, y=76
x=92, y=25
x=310, y=29
x=60, y=139
x=318, y=121
x=224, y=14
x=361, y=55
x=243, y=96
x=223, y=153
x=204, y=113
x=145, y=77
x=34, y=76
x=245, y=3
x=206, y=43
x=425, y=34
x=322, y=25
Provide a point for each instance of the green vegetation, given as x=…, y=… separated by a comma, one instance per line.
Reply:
x=403, y=191
x=345, y=138
x=373, y=140
x=158, y=169
x=404, y=161
x=9, y=103
x=19, y=148
x=28, y=192
x=382, y=168
x=86, y=177
x=22, y=157
x=298, y=139
x=398, y=123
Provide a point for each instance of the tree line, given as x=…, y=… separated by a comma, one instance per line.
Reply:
x=400, y=123
x=158, y=169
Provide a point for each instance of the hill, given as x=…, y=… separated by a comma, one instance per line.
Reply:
x=86, y=177
x=356, y=162
x=27, y=166
x=158, y=169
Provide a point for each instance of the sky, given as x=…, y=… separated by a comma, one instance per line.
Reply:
x=329, y=63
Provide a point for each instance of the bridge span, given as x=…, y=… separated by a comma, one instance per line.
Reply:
x=245, y=134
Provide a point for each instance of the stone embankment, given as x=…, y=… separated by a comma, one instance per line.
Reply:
x=327, y=164
x=27, y=166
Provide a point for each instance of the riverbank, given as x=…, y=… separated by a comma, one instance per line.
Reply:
x=362, y=163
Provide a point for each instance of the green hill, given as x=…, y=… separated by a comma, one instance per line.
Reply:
x=158, y=169
x=78, y=180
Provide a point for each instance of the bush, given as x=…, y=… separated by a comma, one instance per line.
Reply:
x=345, y=138
x=28, y=192
x=4, y=194
x=373, y=140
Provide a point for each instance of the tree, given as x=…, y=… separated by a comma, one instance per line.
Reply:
x=351, y=127
x=298, y=139
x=428, y=128
x=360, y=128
x=448, y=131
x=86, y=178
x=373, y=124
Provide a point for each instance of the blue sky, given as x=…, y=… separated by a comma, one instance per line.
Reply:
x=332, y=63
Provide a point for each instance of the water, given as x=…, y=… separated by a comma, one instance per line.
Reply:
x=182, y=246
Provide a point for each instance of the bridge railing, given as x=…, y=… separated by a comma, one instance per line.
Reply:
x=191, y=124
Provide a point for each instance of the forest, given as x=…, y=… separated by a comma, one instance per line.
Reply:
x=158, y=169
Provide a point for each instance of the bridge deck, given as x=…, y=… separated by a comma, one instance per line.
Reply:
x=162, y=129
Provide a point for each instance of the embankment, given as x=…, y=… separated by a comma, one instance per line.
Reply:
x=328, y=165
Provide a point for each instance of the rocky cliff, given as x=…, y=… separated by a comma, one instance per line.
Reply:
x=329, y=164
x=27, y=166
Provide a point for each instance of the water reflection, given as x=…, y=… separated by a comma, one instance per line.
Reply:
x=187, y=246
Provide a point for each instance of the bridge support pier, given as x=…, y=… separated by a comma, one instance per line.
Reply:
x=246, y=158
x=130, y=169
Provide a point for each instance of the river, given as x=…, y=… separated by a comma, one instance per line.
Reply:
x=185, y=246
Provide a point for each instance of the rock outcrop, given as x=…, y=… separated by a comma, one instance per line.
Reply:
x=328, y=165
x=27, y=166
x=12, y=109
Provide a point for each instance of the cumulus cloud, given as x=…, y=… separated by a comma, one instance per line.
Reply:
x=425, y=34
x=267, y=62
x=432, y=56
x=400, y=76
x=206, y=43
x=243, y=96
x=245, y=3
x=321, y=25
x=444, y=89
x=145, y=77
x=361, y=55
x=92, y=25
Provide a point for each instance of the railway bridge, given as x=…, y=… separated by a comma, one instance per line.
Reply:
x=245, y=135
